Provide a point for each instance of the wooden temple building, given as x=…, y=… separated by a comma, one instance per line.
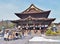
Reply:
x=34, y=19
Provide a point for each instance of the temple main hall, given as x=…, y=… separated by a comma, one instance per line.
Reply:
x=33, y=20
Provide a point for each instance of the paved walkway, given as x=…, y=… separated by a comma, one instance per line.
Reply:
x=19, y=41
x=24, y=41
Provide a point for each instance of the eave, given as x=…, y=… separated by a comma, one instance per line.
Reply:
x=43, y=14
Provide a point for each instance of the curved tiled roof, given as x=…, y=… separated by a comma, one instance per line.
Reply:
x=34, y=12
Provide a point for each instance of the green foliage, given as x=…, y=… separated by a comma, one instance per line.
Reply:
x=58, y=32
x=11, y=25
x=6, y=24
x=48, y=32
x=53, y=33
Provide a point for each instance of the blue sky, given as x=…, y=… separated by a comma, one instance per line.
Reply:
x=9, y=7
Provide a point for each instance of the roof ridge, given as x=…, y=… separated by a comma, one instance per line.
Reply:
x=32, y=6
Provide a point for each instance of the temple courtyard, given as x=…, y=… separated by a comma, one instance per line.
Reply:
x=41, y=39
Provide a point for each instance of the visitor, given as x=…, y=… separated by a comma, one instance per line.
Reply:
x=29, y=33
x=10, y=36
x=16, y=35
x=6, y=36
x=13, y=35
x=22, y=34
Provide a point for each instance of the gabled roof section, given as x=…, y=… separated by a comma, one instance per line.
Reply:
x=32, y=9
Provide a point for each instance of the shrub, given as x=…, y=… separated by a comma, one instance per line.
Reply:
x=48, y=32
x=58, y=32
x=54, y=33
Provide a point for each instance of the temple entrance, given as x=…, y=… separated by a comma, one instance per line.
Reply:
x=32, y=29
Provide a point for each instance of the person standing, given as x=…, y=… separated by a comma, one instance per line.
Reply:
x=6, y=36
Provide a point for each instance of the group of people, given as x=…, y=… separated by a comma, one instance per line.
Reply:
x=11, y=35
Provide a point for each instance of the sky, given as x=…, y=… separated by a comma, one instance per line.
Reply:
x=9, y=7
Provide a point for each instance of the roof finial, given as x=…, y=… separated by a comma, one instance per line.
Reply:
x=32, y=6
